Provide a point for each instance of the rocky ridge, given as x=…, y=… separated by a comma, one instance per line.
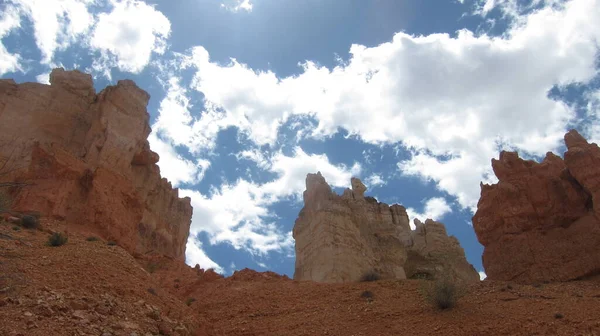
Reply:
x=341, y=238
x=541, y=221
x=85, y=159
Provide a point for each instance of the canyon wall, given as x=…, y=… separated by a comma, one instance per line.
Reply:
x=341, y=238
x=541, y=221
x=86, y=160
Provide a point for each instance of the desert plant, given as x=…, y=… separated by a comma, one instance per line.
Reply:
x=92, y=238
x=57, y=239
x=111, y=243
x=189, y=301
x=30, y=222
x=16, y=228
x=370, y=276
x=558, y=316
x=152, y=267
x=152, y=291
x=443, y=292
x=367, y=295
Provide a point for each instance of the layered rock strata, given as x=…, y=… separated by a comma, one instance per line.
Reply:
x=341, y=238
x=541, y=221
x=86, y=160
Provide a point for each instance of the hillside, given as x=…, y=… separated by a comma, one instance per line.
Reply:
x=91, y=288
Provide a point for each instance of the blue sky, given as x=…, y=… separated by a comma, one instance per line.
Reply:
x=415, y=97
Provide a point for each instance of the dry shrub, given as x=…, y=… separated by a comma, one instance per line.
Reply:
x=57, y=239
x=370, y=276
x=443, y=292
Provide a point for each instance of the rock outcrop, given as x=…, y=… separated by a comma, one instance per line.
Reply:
x=541, y=221
x=87, y=161
x=341, y=238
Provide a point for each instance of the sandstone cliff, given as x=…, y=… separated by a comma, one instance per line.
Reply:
x=341, y=238
x=88, y=161
x=541, y=221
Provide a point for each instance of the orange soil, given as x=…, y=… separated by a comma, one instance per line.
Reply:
x=90, y=288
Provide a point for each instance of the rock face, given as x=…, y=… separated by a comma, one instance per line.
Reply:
x=541, y=221
x=341, y=238
x=88, y=161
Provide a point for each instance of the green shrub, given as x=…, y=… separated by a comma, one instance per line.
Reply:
x=152, y=291
x=370, y=276
x=189, y=301
x=57, y=239
x=16, y=228
x=111, y=243
x=30, y=222
x=92, y=239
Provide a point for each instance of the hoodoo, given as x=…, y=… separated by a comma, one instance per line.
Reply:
x=86, y=160
x=341, y=238
x=541, y=221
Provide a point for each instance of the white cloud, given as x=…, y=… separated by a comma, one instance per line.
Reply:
x=592, y=127
x=263, y=265
x=435, y=208
x=128, y=35
x=292, y=171
x=239, y=214
x=237, y=5
x=57, y=23
x=255, y=156
x=43, y=78
x=175, y=121
x=482, y=276
x=195, y=255
x=9, y=20
x=440, y=96
x=173, y=166
x=374, y=181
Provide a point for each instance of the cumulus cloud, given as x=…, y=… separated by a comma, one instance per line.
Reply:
x=239, y=214
x=127, y=36
x=374, y=180
x=173, y=166
x=43, y=78
x=435, y=208
x=592, y=127
x=195, y=255
x=175, y=121
x=56, y=23
x=9, y=20
x=482, y=276
x=451, y=101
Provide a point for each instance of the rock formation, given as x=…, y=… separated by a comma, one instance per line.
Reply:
x=341, y=238
x=541, y=221
x=87, y=161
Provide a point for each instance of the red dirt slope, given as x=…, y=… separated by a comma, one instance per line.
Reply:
x=91, y=288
